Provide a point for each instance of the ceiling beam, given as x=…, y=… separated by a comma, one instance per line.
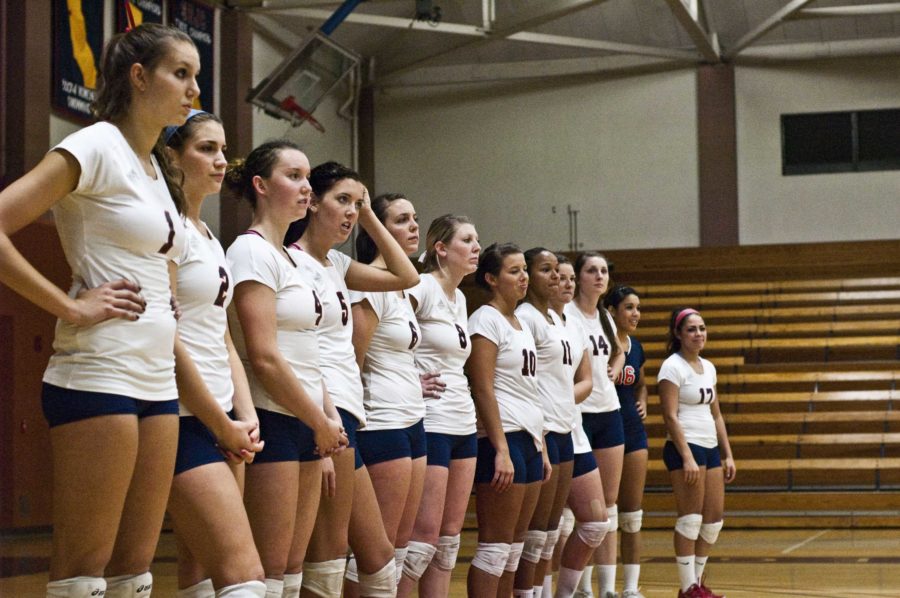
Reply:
x=859, y=10
x=548, y=11
x=850, y=48
x=361, y=18
x=689, y=17
x=760, y=30
x=527, y=70
x=606, y=46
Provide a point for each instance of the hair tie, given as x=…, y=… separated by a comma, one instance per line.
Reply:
x=170, y=131
x=683, y=314
x=423, y=257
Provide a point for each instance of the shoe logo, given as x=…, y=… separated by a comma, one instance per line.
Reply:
x=144, y=588
x=98, y=592
x=684, y=563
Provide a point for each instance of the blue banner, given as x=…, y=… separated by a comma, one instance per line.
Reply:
x=77, y=44
x=198, y=21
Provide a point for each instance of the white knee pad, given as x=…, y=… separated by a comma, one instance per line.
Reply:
x=534, y=545
x=203, y=589
x=592, y=532
x=399, y=559
x=418, y=557
x=326, y=578
x=550, y=544
x=515, y=553
x=77, y=587
x=447, y=549
x=248, y=589
x=292, y=584
x=491, y=557
x=612, y=512
x=630, y=521
x=274, y=588
x=129, y=586
x=381, y=584
x=689, y=525
x=351, y=573
x=566, y=522
x=710, y=531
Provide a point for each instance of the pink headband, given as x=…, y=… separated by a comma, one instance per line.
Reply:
x=683, y=314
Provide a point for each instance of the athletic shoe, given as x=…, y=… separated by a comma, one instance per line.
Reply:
x=707, y=593
x=692, y=592
x=582, y=594
x=632, y=594
x=611, y=595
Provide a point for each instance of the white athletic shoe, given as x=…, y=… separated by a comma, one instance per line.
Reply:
x=632, y=594
x=582, y=594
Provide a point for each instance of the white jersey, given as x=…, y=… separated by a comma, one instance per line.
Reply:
x=603, y=397
x=695, y=393
x=117, y=223
x=298, y=312
x=204, y=292
x=555, y=367
x=515, y=386
x=444, y=348
x=335, y=332
x=392, y=393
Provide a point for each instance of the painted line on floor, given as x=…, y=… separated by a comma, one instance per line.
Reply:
x=815, y=536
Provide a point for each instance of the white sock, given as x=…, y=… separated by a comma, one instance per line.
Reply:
x=699, y=565
x=537, y=591
x=523, y=593
x=548, y=586
x=203, y=589
x=630, y=576
x=247, y=589
x=686, y=574
x=585, y=583
x=76, y=587
x=607, y=579
x=567, y=582
x=274, y=587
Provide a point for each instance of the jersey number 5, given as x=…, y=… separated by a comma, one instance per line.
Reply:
x=345, y=311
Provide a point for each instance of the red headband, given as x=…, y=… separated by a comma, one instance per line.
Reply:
x=683, y=314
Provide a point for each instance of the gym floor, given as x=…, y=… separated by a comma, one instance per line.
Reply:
x=744, y=564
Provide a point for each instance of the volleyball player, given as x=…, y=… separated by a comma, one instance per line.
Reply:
x=601, y=418
x=109, y=390
x=277, y=313
x=697, y=452
x=218, y=426
x=385, y=334
x=451, y=252
x=512, y=459
x=624, y=305
x=348, y=511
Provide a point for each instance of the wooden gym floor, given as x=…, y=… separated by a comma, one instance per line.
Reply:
x=745, y=564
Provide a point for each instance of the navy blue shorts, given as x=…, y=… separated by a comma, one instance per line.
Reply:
x=196, y=444
x=705, y=457
x=378, y=446
x=604, y=430
x=351, y=425
x=635, y=436
x=287, y=438
x=528, y=462
x=584, y=463
x=64, y=406
x=559, y=447
x=442, y=448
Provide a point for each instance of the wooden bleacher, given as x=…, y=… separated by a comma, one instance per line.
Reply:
x=808, y=381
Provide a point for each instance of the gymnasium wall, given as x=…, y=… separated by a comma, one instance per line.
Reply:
x=824, y=207
x=623, y=151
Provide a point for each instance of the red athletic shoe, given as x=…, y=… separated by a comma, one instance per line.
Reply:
x=692, y=592
x=707, y=593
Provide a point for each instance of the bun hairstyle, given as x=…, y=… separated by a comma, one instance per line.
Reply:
x=259, y=162
x=146, y=45
x=442, y=229
x=617, y=295
x=490, y=261
x=322, y=179
x=580, y=262
x=366, y=250
x=677, y=320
